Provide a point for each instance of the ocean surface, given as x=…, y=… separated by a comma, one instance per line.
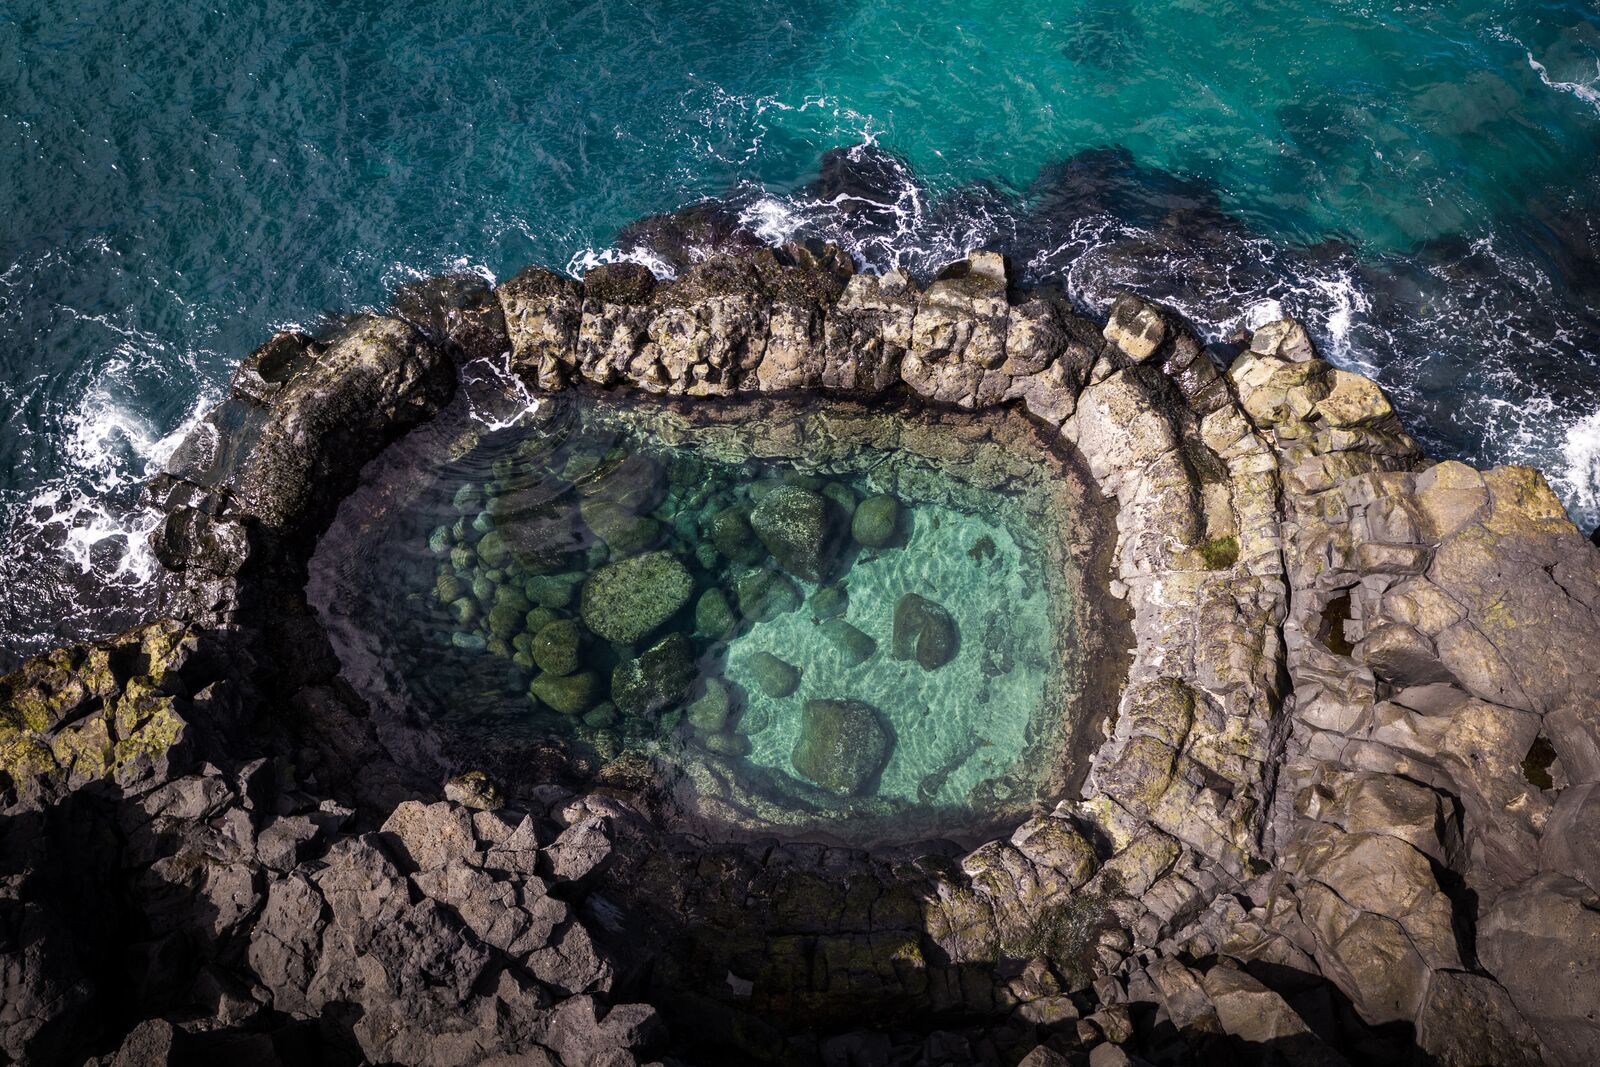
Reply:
x=1418, y=180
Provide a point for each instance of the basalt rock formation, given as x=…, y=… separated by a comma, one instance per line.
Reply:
x=1340, y=804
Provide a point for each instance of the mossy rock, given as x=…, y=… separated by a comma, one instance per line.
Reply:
x=764, y=595
x=709, y=712
x=467, y=499
x=492, y=549
x=469, y=642
x=713, y=616
x=627, y=601
x=537, y=619
x=794, y=526
x=772, y=675
x=731, y=535
x=830, y=602
x=506, y=621
x=464, y=610
x=924, y=631
x=512, y=596
x=569, y=694
x=439, y=541
x=855, y=646
x=601, y=716
x=550, y=591
x=483, y=589
x=463, y=556
x=449, y=589
x=843, y=745
x=656, y=679
x=622, y=531
x=876, y=521
x=557, y=646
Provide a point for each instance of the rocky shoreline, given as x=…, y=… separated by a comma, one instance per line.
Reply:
x=1341, y=808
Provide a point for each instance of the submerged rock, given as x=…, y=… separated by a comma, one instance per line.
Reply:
x=843, y=745
x=570, y=694
x=732, y=535
x=876, y=521
x=764, y=595
x=619, y=529
x=830, y=602
x=655, y=680
x=709, y=712
x=627, y=601
x=713, y=616
x=924, y=631
x=793, y=523
x=555, y=647
x=856, y=646
x=772, y=675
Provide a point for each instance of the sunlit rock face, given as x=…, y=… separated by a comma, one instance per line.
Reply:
x=804, y=619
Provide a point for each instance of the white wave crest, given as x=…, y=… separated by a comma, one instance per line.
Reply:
x=1579, y=477
x=1588, y=90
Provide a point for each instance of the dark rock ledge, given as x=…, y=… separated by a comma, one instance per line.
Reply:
x=1344, y=810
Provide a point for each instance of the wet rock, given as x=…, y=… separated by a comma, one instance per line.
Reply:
x=570, y=694
x=627, y=601
x=842, y=746
x=620, y=530
x=772, y=675
x=556, y=647
x=728, y=744
x=541, y=315
x=629, y=480
x=830, y=602
x=794, y=525
x=855, y=646
x=458, y=312
x=709, y=712
x=764, y=595
x=475, y=790
x=732, y=535
x=876, y=521
x=924, y=631
x=713, y=616
x=656, y=679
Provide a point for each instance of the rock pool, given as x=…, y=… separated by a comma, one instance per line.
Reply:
x=849, y=623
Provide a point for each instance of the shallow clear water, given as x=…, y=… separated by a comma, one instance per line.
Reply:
x=1417, y=179
x=576, y=578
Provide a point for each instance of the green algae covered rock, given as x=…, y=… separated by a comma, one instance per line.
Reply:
x=732, y=536
x=506, y=621
x=728, y=744
x=876, y=521
x=793, y=523
x=709, y=712
x=842, y=746
x=924, y=631
x=713, y=617
x=772, y=675
x=570, y=694
x=656, y=679
x=555, y=647
x=627, y=601
x=492, y=550
x=622, y=531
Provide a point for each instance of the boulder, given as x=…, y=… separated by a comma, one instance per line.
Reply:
x=843, y=745
x=876, y=521
x=627, y=601
x=794, y=525
x=924, y=631
x=713, y=616
x=772, y=675
x=619, y=529
x=656, y=679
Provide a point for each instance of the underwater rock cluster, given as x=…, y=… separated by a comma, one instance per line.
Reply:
x=1338, y=740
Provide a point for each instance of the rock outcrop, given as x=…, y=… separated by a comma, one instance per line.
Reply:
x=1342, y=811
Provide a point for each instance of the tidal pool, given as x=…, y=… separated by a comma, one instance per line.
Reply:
x=846, y=623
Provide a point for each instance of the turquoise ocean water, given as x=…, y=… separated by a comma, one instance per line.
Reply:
x=1417, y=179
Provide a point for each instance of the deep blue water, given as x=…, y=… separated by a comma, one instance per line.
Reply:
x=1418, y=180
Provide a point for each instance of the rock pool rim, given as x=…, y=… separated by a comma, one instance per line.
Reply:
x=721, y=800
